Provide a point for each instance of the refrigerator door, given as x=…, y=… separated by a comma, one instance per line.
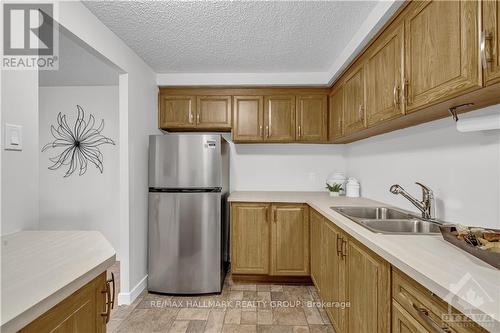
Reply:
x=185, y=161
x=185, y=243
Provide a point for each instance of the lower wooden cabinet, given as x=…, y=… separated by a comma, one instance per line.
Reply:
x=403, y=322
x=86, y=310
x=290, y=240
x=354, y=282
x=269, y=239
x=368, y=289
x=316, y=223
x=250, y=238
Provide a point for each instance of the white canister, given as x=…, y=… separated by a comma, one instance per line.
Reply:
x=337, y=178
x=352, y=188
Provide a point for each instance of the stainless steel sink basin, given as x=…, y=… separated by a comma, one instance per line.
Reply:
x=385, y=220
x=373, y=213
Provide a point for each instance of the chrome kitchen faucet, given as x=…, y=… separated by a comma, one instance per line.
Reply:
x=426, y=206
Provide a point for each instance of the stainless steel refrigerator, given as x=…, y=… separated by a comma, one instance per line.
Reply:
x=188, y=213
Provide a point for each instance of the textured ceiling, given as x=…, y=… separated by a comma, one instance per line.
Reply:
x=235, y=37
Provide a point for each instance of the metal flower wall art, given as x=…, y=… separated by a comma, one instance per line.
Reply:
x=78, y=145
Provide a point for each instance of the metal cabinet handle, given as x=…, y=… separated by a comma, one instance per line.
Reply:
x=267, y=131
x=300, y=131
x=405, y=91
x=424, y=314
x=344, y=248
x=395, y=93
x=275, y=211
x=190, y=116
x=360, y=112
x=260, y=130
x=482, y=47
x=112, y=282
x=106, y=314
x=339, y=242
x=198, y=118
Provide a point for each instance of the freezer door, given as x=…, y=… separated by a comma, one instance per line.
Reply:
x=185, y=161
x=185, y=236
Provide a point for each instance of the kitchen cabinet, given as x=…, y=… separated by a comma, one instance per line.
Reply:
x=86, y=310
x=312, y=115
x=250, y=238
x=441, y=51
x=490, y=41
x=403, y=322
x=177, y=112
x=316, y=223
x=290, y=240
x=336, y=112
x=427, y=309
x=354, y=101
x=367, y=289
x=279, y=118
x=384, y=77
x=333, y=276
x=213, y=112
x=248, y=118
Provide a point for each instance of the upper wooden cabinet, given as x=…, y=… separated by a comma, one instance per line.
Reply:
x=213, y=112
x=250, y=238
x=177, y=112
x=290, y=240
x=336, y=112
x=279, y=118
x=384, y=77
x=248, y=118
x=354, y=101
x=442, y=53
x=312, y=115
x=490, y=41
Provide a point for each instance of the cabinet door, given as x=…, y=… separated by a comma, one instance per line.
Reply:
x=279, y=118
x=354, y=101
x=368, y=290
x=333, y=276
x=336, y=113
x=491, y=42
x=177, y=112
x=290, y=240
x=316, y=221
x=403, y=322
x=311, y=118
x=213, y=112
x=442, y=53
x=79, y=312
x=250, y=238
x=248, y=118
x=384, y=77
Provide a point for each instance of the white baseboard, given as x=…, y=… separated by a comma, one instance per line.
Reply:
x=129, y=298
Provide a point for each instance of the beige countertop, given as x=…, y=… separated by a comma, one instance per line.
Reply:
x=41, y=268
x=447, y=271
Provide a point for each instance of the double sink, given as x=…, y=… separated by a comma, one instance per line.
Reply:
x=384, y=220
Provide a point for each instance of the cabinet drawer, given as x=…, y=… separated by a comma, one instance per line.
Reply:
x=427, y=308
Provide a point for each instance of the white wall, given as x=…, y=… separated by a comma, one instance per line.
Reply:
x=90, y=201
x=463, y=169
x=138, y=103
x=19, y=182
x=284, y=167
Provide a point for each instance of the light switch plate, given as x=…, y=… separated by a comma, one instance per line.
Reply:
x=13, y=137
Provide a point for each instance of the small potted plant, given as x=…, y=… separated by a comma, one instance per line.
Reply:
x=334, y=189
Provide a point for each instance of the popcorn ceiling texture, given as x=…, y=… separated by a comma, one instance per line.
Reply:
x=235, y=37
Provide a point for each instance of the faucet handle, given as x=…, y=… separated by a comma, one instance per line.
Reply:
x=426, y=191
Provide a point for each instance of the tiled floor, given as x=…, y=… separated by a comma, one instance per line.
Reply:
x=239, y=308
